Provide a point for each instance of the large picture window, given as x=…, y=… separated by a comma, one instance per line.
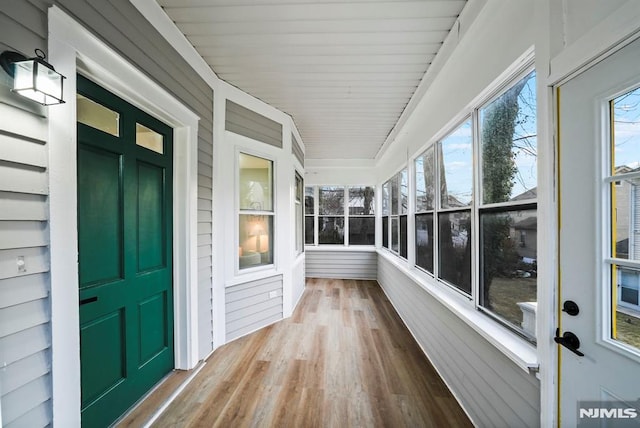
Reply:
x=256, y=213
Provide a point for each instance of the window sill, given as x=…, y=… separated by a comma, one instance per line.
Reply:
x=255, y=275
x=329, y=247
x=518, y=350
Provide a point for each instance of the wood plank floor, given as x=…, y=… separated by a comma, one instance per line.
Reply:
x=344, y=359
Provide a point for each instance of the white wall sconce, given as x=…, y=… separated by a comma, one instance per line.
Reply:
x=33, y=78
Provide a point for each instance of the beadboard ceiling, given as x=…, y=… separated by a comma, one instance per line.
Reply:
x=343, y=69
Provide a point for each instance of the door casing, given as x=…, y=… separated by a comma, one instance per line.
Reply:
x=72, y=48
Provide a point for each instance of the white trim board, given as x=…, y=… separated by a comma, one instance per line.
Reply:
x=72, y=48
x=612, y=33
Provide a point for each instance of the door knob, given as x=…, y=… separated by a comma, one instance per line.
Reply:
x=569, y=340
x=570, y=307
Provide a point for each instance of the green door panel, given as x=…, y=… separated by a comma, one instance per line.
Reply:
x=103, y=348
x=125, y=261
x=153, y=327
x=99, y=219
x=151, y=209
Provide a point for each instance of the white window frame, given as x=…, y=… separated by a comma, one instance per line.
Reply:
x=238, y=212
x=299, y=210
x=314, y=216
x=348, y=215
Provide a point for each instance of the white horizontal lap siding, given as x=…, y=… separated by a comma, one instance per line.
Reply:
x=491, y=388
x=249, y=306
x=341, y=264
x=205, y=205
x=25, y=364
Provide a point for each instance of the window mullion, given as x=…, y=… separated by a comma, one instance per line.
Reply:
x=436, y=211
x=345, y=215
x=475, y=207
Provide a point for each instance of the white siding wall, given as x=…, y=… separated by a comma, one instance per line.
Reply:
x=253, y=305
x=343, y=264
x=492, y=389
x=25, y=382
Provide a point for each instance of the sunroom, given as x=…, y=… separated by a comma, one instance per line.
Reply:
x=316, y=213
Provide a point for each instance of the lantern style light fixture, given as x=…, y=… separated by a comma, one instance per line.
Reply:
x=33, y=78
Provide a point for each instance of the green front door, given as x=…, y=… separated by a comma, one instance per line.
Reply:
x=125, y=252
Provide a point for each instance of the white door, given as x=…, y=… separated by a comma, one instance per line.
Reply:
x=599, y=169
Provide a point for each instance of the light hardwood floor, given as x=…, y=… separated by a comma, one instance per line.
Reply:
x=344, y=359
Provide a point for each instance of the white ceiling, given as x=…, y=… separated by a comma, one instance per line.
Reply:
x=343, y=69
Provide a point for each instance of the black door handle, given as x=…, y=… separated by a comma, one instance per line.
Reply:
x=569, y=341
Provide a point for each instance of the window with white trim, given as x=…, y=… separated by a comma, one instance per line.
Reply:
x=385, y=214
x=299, y=212
x=395, y=194
x=340, y=215
x=255, y=218
x=476, y=215
x=362, y=221
x=309, y=215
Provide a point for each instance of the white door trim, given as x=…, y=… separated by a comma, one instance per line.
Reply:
x=72, y=48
